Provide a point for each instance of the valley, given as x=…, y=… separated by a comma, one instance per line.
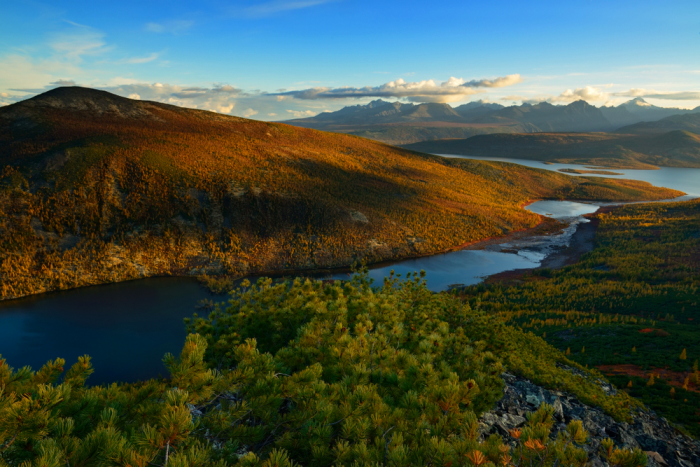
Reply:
x=97, y=189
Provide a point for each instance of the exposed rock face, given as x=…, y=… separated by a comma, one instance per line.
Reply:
x=664, y=444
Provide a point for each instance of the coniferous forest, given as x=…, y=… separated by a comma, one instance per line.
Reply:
x=310, y=373
x=629, y=308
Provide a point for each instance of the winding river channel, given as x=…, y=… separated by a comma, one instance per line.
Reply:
x=127, y=327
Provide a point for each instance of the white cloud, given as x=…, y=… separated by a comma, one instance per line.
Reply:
x=588, y=94
x=302, y=113
x=272, y=114
x=21, y=71
x=452, y=90
x=134, y=96
x=249, y=113
x=137, y=60
x=501, y=82
x=651, y=94
x=170, y=27
x=80, y=41
x=276, y=6
x=219, y=98
x=596, y=95
x=225, y=108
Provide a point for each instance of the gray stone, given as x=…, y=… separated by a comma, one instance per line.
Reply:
x=665, y=446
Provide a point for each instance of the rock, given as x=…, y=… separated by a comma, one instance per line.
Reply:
x=665, y=446
x=558, y=409
x=357, y=216
x=656, y=457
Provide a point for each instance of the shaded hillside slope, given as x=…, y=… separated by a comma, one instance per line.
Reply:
x=671, y=149
x=96, y=188
x=577, y=116
x=688, y=122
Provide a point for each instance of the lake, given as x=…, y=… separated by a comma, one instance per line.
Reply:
x=125, y=327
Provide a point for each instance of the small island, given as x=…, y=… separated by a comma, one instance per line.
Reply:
x=588, y=172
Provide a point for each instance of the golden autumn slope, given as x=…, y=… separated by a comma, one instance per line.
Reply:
x=97, y=188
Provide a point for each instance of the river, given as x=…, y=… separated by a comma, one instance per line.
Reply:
x=127, y=327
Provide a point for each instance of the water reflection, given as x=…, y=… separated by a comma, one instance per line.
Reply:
x=562, y=209
x=463, y=267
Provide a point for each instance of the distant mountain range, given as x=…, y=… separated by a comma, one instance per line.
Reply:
x=399, y=123
x=672, y=142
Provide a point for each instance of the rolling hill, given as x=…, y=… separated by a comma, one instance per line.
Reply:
x=689, y=122
x=96, y=188
x=613, y=150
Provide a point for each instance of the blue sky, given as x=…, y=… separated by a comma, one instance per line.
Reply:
x=280, y=59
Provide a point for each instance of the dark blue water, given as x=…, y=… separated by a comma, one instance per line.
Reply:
x=126, y=328
x=461, y=267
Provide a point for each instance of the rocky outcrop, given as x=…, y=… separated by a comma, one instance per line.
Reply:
x=664, y=444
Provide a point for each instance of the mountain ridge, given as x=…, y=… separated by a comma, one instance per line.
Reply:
x=399, y=123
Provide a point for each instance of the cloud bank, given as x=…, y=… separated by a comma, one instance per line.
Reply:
x=651, y=94
x=220, y=98
x=452, y=90
x=598, y=95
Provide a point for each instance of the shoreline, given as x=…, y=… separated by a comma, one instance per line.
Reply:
x=582, y=242
x=546, y=226
x=582, y=239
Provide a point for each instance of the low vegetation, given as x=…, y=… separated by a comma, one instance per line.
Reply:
x=630, y=307
x=310, y=373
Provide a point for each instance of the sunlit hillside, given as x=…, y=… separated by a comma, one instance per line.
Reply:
x=98, y=188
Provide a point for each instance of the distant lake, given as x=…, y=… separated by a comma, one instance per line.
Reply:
x=686, y=180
